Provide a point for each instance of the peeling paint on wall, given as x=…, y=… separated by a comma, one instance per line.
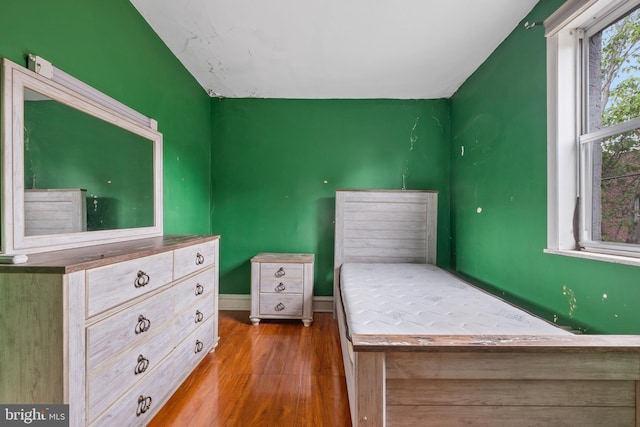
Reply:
x=571, y=299
x=412, y=136
x=412, y=141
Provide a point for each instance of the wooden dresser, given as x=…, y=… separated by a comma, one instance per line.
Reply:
x=112, y=329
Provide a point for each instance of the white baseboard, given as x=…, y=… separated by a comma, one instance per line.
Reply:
x=243, y=302
x=234, y=302
x=323, y=304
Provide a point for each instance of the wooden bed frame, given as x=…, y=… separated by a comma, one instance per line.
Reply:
x=479, y=380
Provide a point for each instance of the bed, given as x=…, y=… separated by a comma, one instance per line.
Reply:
x=422, y=347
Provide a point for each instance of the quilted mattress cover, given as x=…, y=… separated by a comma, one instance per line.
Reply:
x=396, y=299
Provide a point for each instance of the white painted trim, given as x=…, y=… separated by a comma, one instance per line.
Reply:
x=323, y=304
x=616, y=259
x=565, y=14
x=583, y=14
x=562, y=172
x=46, y=69
x=234, y=302
x=14, y=79
x=242, y=302
x=610, y=130
x=563, y=126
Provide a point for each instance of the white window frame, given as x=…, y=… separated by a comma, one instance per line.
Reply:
x=563, y=30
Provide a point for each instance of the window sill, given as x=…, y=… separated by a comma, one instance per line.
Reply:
x=616, y=259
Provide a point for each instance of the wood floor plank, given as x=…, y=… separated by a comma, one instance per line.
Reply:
x=275, y=373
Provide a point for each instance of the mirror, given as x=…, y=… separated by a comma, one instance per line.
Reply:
x=76, y=171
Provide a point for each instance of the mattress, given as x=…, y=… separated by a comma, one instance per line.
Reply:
x=397, y=299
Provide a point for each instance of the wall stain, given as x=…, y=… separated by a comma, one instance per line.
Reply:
x=186, y=43
x=439, y=123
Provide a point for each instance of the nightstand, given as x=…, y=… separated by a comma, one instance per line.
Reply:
x=282, y=287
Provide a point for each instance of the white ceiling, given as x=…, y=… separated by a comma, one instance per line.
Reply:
x=402, y=49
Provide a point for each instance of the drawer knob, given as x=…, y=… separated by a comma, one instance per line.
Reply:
x=142, y=365
x=199, y=316
x=281, y=287
x=280, y=272
x=142, y=279
x=199, y=259
x=280, y=307
x=199, y=346
x=199, y=289
x=144, y=403
x=143, y=324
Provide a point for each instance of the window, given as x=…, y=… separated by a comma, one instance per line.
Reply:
x=593, y=57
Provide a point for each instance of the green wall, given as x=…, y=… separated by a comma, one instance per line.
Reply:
x=277, y=164
x=499, y=117
x=108, y=45
x=263, y=172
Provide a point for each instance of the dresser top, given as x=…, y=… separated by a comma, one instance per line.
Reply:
x=83, y=258
x=282, y=257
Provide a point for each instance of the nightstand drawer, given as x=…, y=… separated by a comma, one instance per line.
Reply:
x=281, y=305
x=281, y=286
x=276, y=271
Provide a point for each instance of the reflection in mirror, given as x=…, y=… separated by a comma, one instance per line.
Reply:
x=90, y=174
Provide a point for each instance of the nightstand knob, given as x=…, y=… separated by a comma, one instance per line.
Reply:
x=199, y=316
x=199, y=346
x=281, y=287
x=280, y=307
x=280, y=272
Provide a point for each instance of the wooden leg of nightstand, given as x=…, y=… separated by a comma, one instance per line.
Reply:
x=307, y=322
x=254, y=320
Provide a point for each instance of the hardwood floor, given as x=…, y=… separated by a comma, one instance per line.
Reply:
x=277, y=373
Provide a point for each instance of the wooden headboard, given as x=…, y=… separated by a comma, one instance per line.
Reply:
x=385, y=226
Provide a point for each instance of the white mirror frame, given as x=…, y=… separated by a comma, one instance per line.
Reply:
x=14, y=80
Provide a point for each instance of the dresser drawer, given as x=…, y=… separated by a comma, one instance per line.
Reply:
x=138, y=406
x=193, y=349
x=114, y=284
x=193, y=258
x=274, y=270
x=281, y=305
x=193, y=289
x=193, y=317
x=109, y=337
x=132, y=366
